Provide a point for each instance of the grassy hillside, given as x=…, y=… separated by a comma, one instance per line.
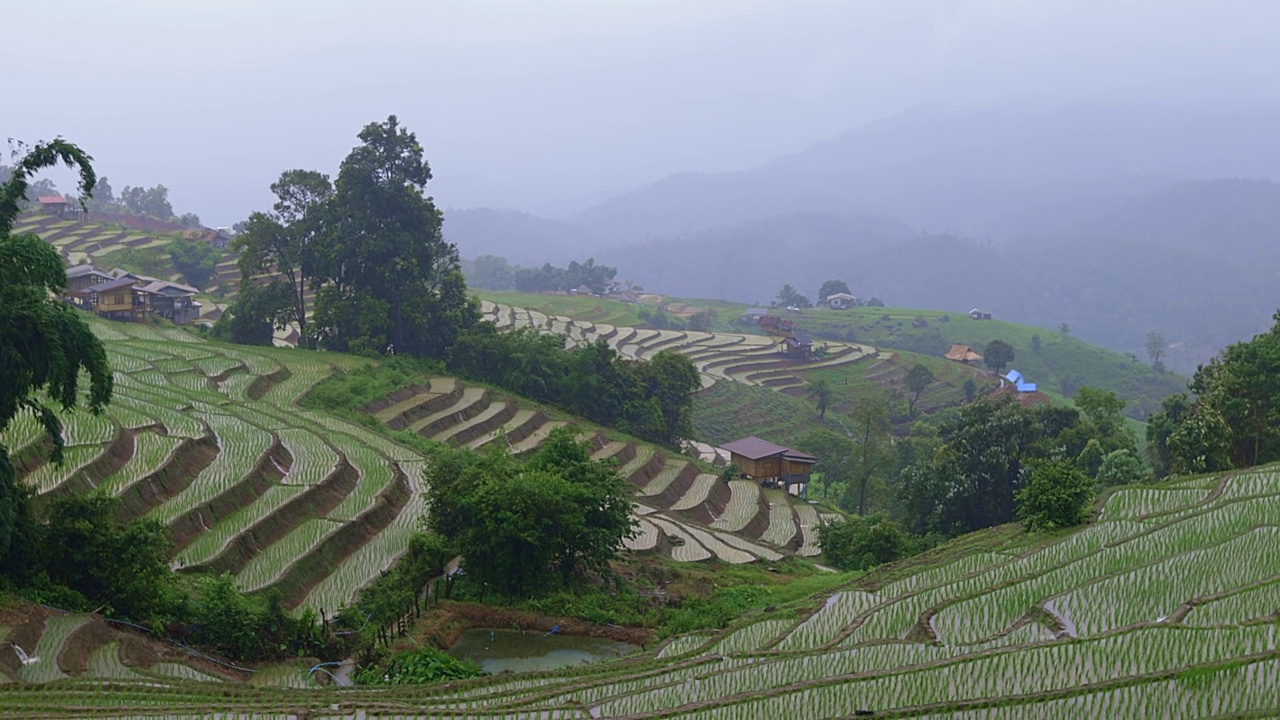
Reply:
x=1062, y=364
x=1145, y=612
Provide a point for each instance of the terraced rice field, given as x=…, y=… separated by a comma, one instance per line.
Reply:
x=689, y=513
x=1165, y=607
x=209, y=440
x=751, y=359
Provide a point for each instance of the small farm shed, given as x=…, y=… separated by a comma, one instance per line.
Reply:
x=840, y=301
x=798, y=345
x=52, y=204
x=753, y=315
x=977, y=314
x=766, y=462
x=963, y=354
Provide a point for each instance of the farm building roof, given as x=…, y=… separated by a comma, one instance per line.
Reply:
x=51, y=200
x=757, y=312
x=112, y=285
x=840, y=296
x=81, y=270
x=799, y=338
x=754, y=448
x=1013, y=376
x=164, y=287
x=798, y=456
x=962, y=353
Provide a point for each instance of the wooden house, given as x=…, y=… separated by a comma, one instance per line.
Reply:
x=771, y=464
x=170, y=300
x=797, y=345
x=117, y=299
x=963, y=354
x=80, y=277
x=52, y=204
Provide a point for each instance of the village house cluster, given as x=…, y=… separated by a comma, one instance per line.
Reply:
x=121, y=295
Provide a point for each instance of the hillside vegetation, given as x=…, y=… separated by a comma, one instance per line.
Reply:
x=1146, y=612
x=1062, y=365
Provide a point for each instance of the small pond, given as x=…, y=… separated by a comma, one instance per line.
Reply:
x=530, y=650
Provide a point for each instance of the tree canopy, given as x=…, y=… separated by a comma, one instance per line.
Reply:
x=997, y=355
x=44, y=345
x=386, y=279
x=527, y=526
x=1235, y=418
x=369, y=245
x=831, y=287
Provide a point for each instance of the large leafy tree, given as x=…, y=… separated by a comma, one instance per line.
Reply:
x=918, y=379
x=44, y=345
x=997, y=355
x=386, y=279
x=281, y=242
x=831, y=287
x=1056, y=495
x=873, y=447
x=861, y=543
x=527, y=526
x=835, y=457
x=972, y=479
x=821, y=392
x=1235, y=418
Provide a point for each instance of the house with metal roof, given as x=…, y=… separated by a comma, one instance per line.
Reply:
x=1019, y=383
x=769, y=463
x=52, y=204
x=840, y=301
x=171, y=300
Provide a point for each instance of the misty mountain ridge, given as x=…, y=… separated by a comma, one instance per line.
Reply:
x=1001, y=173
x=1117, y=221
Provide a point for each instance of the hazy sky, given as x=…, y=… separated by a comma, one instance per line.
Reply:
x=551, y=105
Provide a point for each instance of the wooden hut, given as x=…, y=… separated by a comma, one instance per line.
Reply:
x=768, y=463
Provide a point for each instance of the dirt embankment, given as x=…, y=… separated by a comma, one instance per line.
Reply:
x=442, y=626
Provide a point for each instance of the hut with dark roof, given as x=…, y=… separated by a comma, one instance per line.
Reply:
x=768, y=463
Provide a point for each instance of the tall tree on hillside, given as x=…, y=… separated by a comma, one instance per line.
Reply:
x=1155, y=350
x=153, y=202
x=821, y=393
x=44, y=345
x=997, y=355
x=386, y=279
x=835, y=455
x=873, y=447
x=281, y=242
x=1242, y=386
x=971, y=481
x=918, y=379
x=788, y=296
x=831, y=287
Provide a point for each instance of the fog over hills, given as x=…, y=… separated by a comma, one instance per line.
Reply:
x=1116, y=220
x=1002, y=172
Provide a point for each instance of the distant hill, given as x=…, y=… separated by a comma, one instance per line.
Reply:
x=1237, y=220
x=1195, y=262
x=518, y=236
x=1003, y=173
